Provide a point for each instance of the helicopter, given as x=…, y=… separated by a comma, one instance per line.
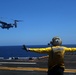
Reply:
x=5, y=25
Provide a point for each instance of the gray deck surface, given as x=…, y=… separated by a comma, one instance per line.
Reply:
x=70, y=63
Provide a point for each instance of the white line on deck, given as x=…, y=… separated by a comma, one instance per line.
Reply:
x=17, y=63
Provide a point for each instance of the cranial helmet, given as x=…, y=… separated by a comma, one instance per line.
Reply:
x=56, y=41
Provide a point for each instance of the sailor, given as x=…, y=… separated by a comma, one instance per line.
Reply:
x=56, y=55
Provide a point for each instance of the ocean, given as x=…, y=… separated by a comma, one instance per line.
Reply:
x=17, y=51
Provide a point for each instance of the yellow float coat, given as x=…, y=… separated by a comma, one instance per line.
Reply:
x=56, y=54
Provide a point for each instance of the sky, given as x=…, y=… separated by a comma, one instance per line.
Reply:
x=41, y=21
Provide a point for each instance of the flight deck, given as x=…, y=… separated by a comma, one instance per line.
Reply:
x=34, y=67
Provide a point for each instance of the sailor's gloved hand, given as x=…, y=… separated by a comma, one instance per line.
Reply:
x=25, y=48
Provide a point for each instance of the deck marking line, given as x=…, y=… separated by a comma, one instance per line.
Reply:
x=18, y=63
x=33, y=69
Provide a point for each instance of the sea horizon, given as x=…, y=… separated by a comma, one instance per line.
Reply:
x=17, y=51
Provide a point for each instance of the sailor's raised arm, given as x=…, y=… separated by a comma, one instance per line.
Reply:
x=38, y=50
x=67, y=49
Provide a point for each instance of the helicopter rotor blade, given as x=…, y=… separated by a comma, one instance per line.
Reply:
x=18, y=20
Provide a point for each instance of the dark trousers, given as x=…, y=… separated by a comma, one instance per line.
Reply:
x=57, y=70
